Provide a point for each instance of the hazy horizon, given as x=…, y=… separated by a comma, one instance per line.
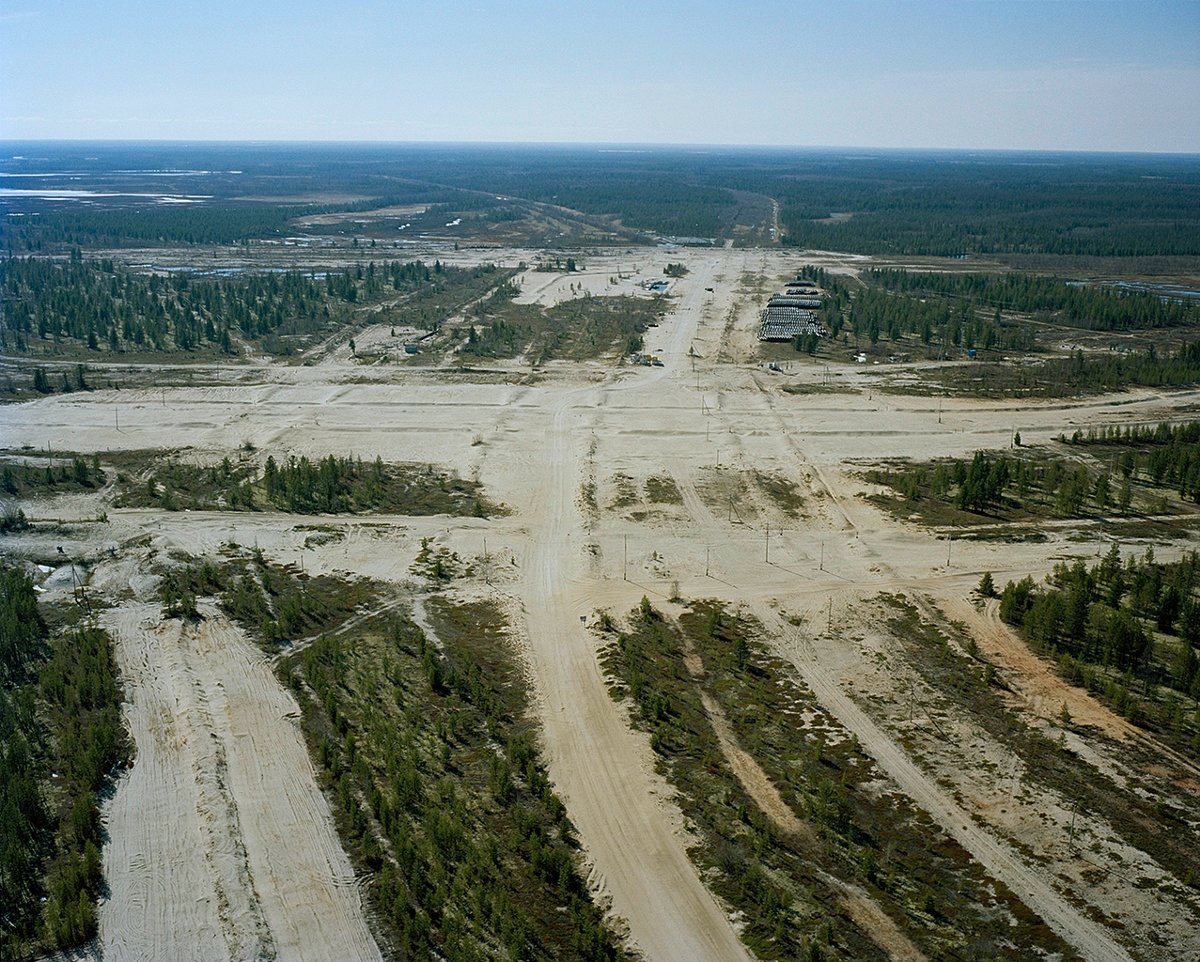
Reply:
x=1074, y=76
x=602, y=146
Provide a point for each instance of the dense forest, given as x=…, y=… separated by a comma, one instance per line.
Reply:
x=975, y=312
x=905, y=202
x=939, y=323
x=1122, y=629
x=101, y=306
x=1063, y=302
x=61, y=739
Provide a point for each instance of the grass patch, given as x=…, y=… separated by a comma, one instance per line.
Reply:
x=663, y=490
x=726, y=491
x=577, y=329
x=626, y=494
x=781, y=491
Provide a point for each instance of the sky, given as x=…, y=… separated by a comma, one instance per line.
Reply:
x=1010, y=74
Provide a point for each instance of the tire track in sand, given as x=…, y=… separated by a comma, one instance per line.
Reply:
x=604, y=770
x=1029, y=884
x=221, y=846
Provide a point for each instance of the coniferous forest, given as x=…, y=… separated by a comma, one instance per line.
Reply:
x=61, y=742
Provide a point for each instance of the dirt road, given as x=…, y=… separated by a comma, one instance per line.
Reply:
x=221, y=845
x=603, y=769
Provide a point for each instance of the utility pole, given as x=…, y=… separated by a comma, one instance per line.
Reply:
x=707, y=548
x=625, y=568
x=949, y=544
x=1071, y=830
x=767, y=543
x=822, y=567
x=829, y=616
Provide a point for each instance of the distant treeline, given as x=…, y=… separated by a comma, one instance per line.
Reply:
x=119, y=226
x=61, y=739
x=208, y=222
x=1073, y=304
x=889, y=202
x=1110, y=207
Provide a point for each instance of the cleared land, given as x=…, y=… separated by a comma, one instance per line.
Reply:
x=222, y=847
x=809, y=559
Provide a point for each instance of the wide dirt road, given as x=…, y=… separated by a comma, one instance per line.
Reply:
x=603, y=769
x=221, y=846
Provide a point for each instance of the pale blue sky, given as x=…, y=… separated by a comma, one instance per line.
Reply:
x=1094, y=75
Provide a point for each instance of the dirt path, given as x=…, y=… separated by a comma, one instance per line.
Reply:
x=603, y=769
x=1001, y=861
x=221, y=845
x=863, y=909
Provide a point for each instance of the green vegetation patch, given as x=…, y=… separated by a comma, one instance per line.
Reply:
x=31, y=477
x=1002, y=488
x=576, y=329
x=275, y=603
x=780, y=884
x=663, y=490
x=967, y=685
x=439, y=794
x=331, y=485
x=99, y=307
x=61, y=744
x=783, y=492
x=1127, y=631
x=1076, y=375
x=1051, y=299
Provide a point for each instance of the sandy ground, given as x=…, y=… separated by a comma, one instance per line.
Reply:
x=221, y=846
x=707, y=419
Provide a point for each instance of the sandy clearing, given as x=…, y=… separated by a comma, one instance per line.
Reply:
x=529, y=446
x=221, y=845
x=1001, y=861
